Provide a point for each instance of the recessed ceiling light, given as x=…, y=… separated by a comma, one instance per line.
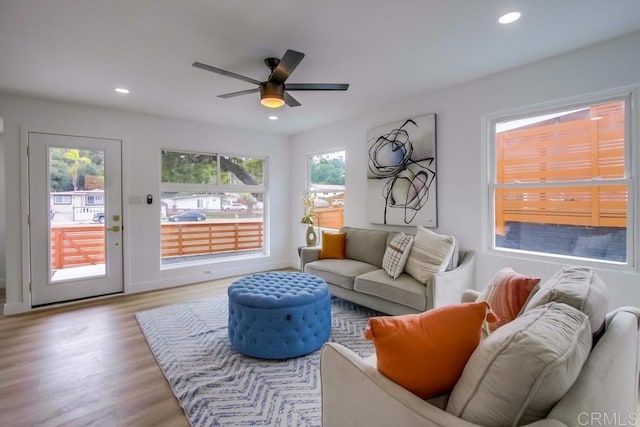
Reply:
x=273, y=117
x=510, y=17
x=122, y=90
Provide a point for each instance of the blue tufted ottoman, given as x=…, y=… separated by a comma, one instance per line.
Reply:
x=279, y=315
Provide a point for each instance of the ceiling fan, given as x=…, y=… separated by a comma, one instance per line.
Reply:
x=273, y=92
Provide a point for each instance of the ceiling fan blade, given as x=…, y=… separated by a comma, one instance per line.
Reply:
x=242, y=92
x=317, y=86
x=291, y=101
x=224, y=72
x=287, y=64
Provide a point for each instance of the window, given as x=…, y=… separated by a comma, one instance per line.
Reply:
x=326, y=181
x=61, y=200
x=561, y=181
x=212, y=206
x=93, y=200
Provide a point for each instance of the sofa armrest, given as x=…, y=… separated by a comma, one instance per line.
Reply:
x=308, y=254
x=470, y=295
x=608, y=382
x=447, y=287
x=356, y=394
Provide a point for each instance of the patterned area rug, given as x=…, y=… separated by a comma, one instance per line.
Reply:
x=217, y=386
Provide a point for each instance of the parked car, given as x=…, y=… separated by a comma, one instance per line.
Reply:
x=99, y=217
x=235, y=207
x=188, y=216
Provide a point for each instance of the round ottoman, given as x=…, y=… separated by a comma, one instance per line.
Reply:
x=279, y=315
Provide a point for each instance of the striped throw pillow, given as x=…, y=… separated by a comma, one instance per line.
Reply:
x=507, y=293
x=430, y=254
x=396, y=254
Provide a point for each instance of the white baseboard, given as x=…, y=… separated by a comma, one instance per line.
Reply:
x=13, y=308
x=253, y=267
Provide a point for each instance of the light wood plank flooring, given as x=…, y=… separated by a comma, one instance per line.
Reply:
x=88, y=364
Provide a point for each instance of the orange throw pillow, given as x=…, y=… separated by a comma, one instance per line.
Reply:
x=507, y=293
x=333, y=245
x=426, y=353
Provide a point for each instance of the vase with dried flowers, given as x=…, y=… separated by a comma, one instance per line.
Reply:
x=308, y=203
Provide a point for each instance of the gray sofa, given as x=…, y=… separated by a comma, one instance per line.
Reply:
x=355, y=393
x=360, y=278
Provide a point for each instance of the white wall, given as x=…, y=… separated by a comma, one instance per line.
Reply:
x=459, y=112
x=142, y=137
x=2, y=204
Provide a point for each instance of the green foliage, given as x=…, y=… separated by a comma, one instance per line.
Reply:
x=67, y=167
x=194, y=168
x=189, y=168
x=327, y=171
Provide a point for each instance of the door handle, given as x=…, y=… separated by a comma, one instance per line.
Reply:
x=114, y=228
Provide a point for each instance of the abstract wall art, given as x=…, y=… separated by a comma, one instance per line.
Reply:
x=401, y=177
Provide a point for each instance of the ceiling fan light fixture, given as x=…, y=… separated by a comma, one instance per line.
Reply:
x=271, y=94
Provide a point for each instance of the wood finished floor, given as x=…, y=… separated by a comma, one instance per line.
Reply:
x=88, y=364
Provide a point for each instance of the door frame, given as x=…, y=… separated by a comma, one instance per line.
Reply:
x=25, y=249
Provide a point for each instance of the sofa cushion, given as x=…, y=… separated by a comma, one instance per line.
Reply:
x=430, y=254
x=426, y=353
x=365, y=245
x=579, y=287
x=396, y=254
x=404, y=290
x=340, y=272
x=333, y=245
x=507, y=294
x=518, y=373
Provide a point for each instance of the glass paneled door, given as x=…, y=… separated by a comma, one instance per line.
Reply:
x=75, y=222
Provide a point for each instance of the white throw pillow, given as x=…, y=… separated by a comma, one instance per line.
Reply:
x=518, y=373
x=430, y=253
x=396, y=254
x=579, y=287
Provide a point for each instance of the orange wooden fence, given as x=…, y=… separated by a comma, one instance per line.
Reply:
x=78, y=245
x=565, y=151
x=210, y=237
x=330, y=217
x=74, y=246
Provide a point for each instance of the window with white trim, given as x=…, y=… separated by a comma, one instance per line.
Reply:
x=61, y=200
x=326, y=172
x=93, y=200
x=212, y=206
x=560, y=181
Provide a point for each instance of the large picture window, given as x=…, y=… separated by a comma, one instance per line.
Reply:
x=326, y=182
x=212, y=206
x=561, y=182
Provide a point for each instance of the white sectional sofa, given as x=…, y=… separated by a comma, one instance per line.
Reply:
x=605, y=393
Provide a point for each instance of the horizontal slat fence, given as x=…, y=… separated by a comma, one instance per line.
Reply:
x=205, y=237
x=331, y=217
x=75, y=246
x=566, y=151
x=79, y=245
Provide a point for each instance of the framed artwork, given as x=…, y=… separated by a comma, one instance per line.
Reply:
x=401, y=174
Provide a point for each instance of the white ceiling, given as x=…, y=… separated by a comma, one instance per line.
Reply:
x=80, y=50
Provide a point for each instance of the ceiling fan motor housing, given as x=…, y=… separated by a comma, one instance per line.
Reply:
x=271, y=90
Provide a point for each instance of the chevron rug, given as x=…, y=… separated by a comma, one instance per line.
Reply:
x=217, y=386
